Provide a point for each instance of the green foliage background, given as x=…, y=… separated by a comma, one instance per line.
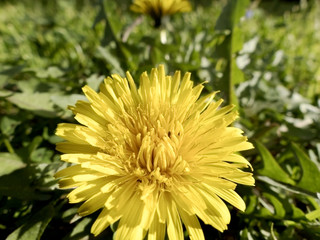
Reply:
x=262, y=55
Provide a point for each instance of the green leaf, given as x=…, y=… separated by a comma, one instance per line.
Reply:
x=287, y=187
x=105, y=54
x=35, y=226
x=94, y=81
x=271, y=168
x=297, y=213
x=39, y=103
x=236, y=74
x=43, y=155
x=251, y=203
x=292, y=211
x=20, y=184
x=310, y=178
x=8, y=125
x=51, y=72
x=106, y=14
x=81, y=230
x=231, y=14
x=34, y=144
x=9, y=163
x=5, y=93
x=313, y=215
x=278, y=207
x=109, y=34
x=67, y=100
x=227, y=24
x=69, y=214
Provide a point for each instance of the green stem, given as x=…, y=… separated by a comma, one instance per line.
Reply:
x=8, y=145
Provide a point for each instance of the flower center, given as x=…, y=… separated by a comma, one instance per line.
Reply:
x=154, y=150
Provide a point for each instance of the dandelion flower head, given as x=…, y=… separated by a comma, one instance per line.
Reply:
x=159, y=8
x=154, y=158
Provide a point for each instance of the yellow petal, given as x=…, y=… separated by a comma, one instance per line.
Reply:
x=69, y=147
x=68, y=182
x=192, y=225
x=174, y=226
x=135, y=220
x=105, y=218
x=157, y=230
x=230, y=196
x=94, y=203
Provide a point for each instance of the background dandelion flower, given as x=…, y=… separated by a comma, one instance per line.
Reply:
x=154, y=157
x=159, y=8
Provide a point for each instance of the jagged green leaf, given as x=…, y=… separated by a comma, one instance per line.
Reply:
x=227, y=24
x=310, y=178
x=35, y=226
x=271, y=168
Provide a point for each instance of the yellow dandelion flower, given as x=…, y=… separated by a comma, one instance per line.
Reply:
x=159, y=8
x=154, y=157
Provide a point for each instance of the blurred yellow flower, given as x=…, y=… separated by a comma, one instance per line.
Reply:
x=159, y=8
x=153, y=157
